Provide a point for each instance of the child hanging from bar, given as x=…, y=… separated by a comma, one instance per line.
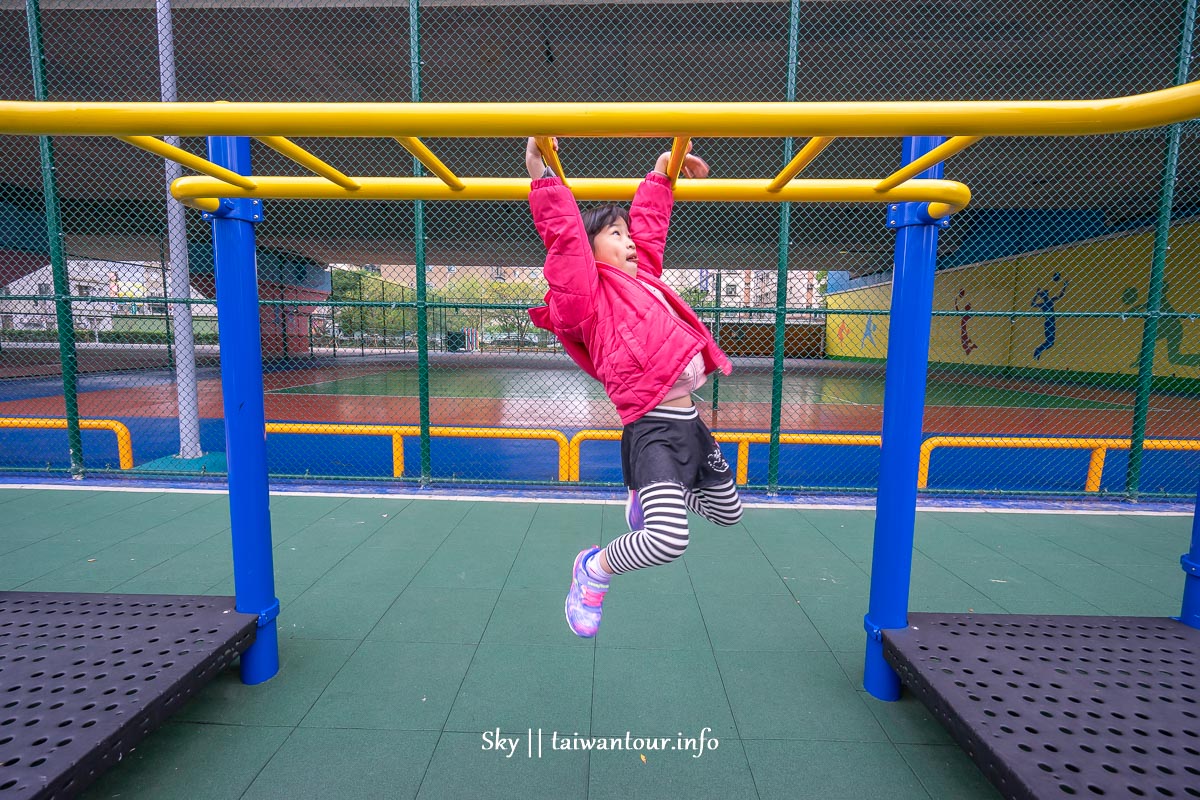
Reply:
x=625, y=327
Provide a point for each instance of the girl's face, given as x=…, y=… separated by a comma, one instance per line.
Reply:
x=614, y=246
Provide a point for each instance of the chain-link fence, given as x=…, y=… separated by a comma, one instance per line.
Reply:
x=1058, y=321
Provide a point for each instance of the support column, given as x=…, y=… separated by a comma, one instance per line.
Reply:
x=245, y=417
x=1190, y=615
x=903, y=409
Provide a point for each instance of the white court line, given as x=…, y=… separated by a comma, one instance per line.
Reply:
x=484, y=498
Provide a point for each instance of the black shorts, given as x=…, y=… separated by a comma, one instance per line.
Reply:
x=672, y=445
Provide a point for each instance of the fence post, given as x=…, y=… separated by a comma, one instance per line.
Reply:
x=64, y=319
x=245, y=417
x=781, y=267
x=414, y=53
x=903, y=408
x=1158, y=269
x=716, y=376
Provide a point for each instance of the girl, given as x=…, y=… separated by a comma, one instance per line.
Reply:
x=628, y=329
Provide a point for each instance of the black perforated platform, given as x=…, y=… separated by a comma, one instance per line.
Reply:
x=84, y=677
x=1059, y=706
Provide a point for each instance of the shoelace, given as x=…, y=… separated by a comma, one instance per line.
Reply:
x=593, y=597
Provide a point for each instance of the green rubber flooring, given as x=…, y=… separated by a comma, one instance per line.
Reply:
x=741, y=387
x=413, y=630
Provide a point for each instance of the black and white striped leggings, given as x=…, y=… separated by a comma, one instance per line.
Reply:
x=665, y=537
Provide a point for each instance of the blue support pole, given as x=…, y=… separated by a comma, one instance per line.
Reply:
x=1190, y=615
x=903, y=409
x=245, y=417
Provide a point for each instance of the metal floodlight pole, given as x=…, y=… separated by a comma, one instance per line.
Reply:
x=245, y=416
x=178, y=284
x=903, y=409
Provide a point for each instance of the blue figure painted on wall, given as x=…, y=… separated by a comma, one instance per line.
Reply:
x=868, y=334
x=1043, y=301
x=1170, y=327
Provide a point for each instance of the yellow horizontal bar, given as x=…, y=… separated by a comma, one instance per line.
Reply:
x=773, y=119
x=954, y=196
x=172, y=153
x=431, y=162
x=1099, y=448
x=938, y=154
x=678, y=150
x=550, y=157
x=209, y=204
x=398, y=431
x=743, y=439
x=307, y=160
x=810, y=151
x=124, y=440
x=941, y=210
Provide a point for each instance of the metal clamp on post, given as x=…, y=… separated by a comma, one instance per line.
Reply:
x=244, y=209
x=903, y=215
x=1189, y=566
x=874, y=632
x=268, y=614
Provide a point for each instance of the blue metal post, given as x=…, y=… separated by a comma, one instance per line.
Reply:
x=1190, y=615
x=903, y=408
x=245, y=418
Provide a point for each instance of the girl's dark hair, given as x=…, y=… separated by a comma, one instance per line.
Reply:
x=598, y=218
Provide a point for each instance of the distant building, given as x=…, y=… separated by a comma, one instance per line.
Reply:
x=118, y=287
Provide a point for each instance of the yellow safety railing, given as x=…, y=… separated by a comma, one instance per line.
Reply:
x=965, y=121
x=1099, y=448
x=398, y=432
x=124, y=440
x=569, y=451
x=743, y=440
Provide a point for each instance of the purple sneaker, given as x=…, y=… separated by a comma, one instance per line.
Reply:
x=585, y=598
x=634, y=517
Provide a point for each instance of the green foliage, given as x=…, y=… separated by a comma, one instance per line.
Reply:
x=354, y=321
x=695, y=297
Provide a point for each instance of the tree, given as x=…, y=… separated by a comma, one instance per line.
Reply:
x=516, y=320
x=349, y=285
x=694, y=296
x=821, y=278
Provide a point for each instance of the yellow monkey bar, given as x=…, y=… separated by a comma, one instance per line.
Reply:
x=965, y=121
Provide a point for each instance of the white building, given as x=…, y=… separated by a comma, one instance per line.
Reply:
x=116, y=285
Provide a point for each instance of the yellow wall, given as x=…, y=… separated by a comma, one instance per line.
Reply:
x=1103, y=275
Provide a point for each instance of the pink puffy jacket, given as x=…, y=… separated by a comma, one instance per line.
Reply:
x=608, y=322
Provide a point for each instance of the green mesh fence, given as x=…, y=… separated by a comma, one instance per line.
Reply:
x=1054, y=321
